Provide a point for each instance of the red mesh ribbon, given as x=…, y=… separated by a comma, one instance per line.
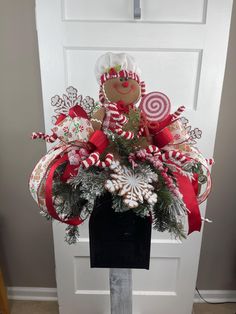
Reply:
x=161, y=135
x=99, y=141
x=49, y=195
x=188, y=190
x=162, y=138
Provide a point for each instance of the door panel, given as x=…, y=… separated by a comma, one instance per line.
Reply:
x=182, y=66
x=185, y=11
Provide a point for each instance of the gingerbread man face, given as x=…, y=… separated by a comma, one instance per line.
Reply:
x=122, y=89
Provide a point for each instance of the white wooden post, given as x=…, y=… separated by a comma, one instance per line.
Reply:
x=121, y=290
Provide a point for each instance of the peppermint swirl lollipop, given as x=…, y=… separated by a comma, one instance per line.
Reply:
x=156, y=106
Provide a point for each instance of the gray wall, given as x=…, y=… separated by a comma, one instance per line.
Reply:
x=26, y=245
x=217, y=269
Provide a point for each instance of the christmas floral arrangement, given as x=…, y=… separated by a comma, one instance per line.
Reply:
x=142, y=155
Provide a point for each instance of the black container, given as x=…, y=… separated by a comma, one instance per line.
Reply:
x=118, y=240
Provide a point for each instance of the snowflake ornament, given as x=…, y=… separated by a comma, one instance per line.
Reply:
x=88, y=104
x=133, y=186
x=63, y=105
x=194, y=134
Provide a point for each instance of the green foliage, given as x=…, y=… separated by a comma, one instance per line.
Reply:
x=76, y=198
x=118, y=205
x=167, y=214
x=133, y=122
x=69, y=200
x=142, y=210
x=124, y=147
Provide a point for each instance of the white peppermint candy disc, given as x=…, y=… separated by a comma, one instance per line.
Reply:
x=156, y=106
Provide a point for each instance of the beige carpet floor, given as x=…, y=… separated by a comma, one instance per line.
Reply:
x=200, y=308
x=32, y=307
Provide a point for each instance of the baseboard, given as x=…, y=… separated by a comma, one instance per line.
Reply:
x=32, y=293
x=215, y=296
x=50, y=294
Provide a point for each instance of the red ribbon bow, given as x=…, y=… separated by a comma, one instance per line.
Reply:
x=97, y=142
x=123, y=108
x=161, y=135
x=189, y=191
x=76, y=111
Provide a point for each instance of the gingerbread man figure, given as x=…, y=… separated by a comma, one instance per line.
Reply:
x=120, y=89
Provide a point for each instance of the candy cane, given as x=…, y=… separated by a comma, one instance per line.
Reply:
x=178, y=112
x=177, y=156
x=152, y=149
x=47, y=138
x=145, y=153
x=91, y=160
x=107, y=162
x=157, y=163
x=131, y=159
x=143, y=88
x=128, y=135
x=170, y=183
x=140, y=132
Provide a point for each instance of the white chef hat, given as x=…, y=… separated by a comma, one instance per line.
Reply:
x=112, y=65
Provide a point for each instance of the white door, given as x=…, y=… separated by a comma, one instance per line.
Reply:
x=180, y=45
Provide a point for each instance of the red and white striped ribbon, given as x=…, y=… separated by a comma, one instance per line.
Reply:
x=122, y=73
x=120, y=118
x=47, y=138
x=101, y=94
